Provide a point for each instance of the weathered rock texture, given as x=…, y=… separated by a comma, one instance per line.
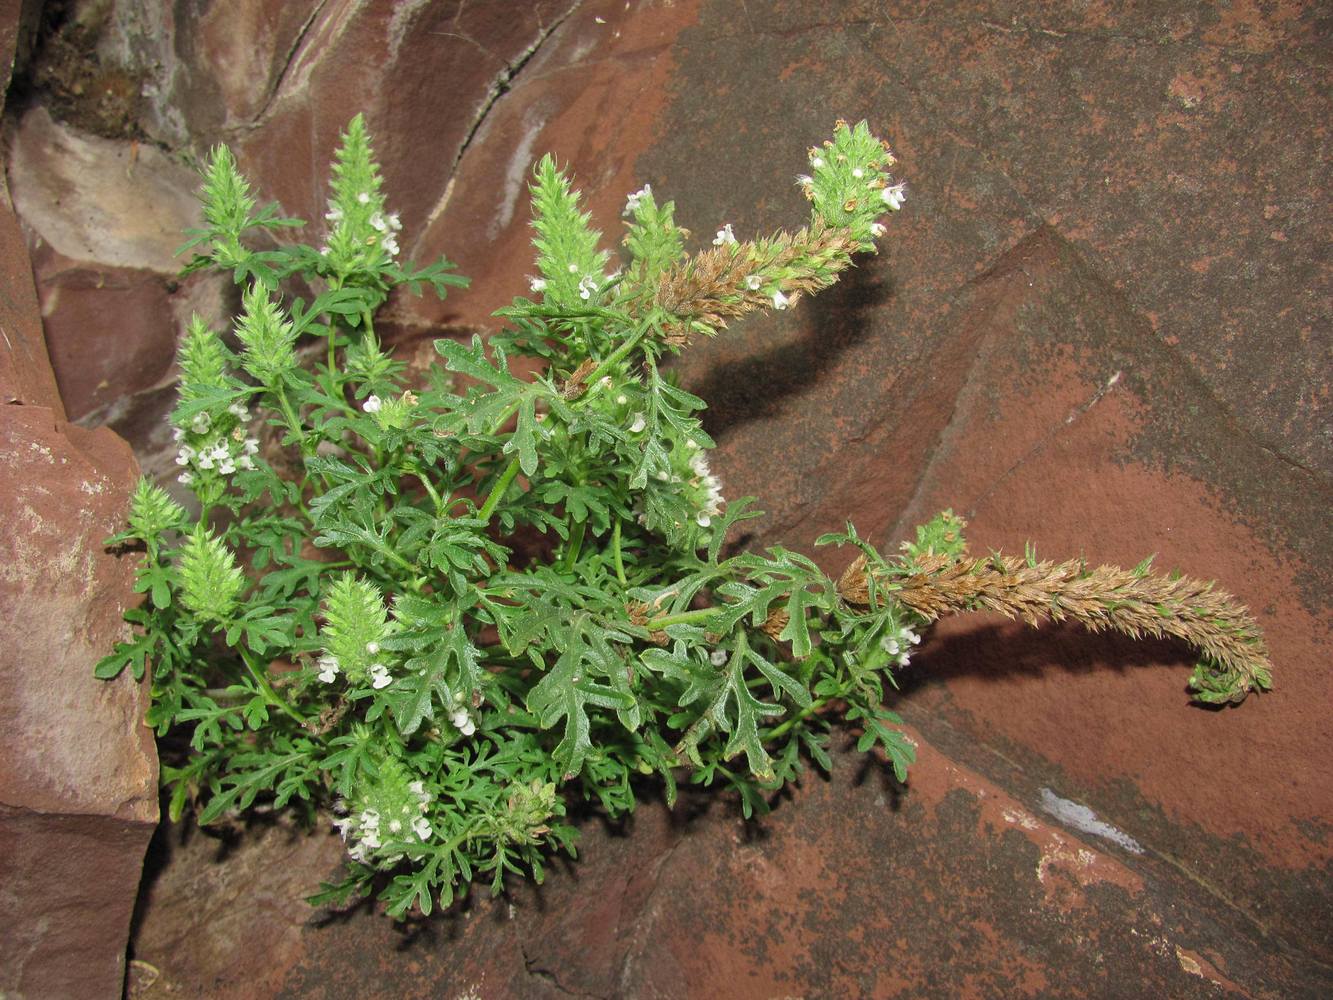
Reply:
x=1101, y=324
x=78, y=772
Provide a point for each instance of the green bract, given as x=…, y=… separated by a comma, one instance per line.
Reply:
x=440, y=609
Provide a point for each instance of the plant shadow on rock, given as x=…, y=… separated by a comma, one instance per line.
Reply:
x=996, y=653
x=753, y=388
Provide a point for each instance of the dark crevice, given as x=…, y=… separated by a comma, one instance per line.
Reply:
x=504, y=82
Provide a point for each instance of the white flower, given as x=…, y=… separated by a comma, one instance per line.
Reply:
x=372, y=404
x=877, y=230
x=364, y=197
x=184, y=455
x=702, y=519
x=328, y=668
x=904, y=660
x=463, y=722
x=395, y=826
x=573, y=269
x=395, y=223
x=220, y=452
x=780, y=301
x=417, y=788
x=343, y=824
x=421, y=828
x=894, y=196
x=370, y=819
x=890, y=645
x=638, y=425
x=245, y=462
x=186, y=477
x=911, y=637
x=372, y=647
x=622, y=399
x=817, y=162
x=379, y=676
x=537, y=284
x=858, y=173
x=201, y=422
x=587, y=285
x=239, y=411
x=251, y=445
x=724, y=236
x=717, y=657
x=390, y=245
x=334, y=214
x=205, y=460
x=370, y=839
x=226, y=467
x=804, y=180
x=632, y=202
x=753, y=282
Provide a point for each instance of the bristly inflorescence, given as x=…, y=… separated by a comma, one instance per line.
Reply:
x=443, y=610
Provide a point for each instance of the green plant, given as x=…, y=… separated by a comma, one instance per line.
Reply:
x=447, y=608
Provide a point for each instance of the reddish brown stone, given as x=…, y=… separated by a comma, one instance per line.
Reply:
x=1092, y=191
x=78, y=771
x=105, y=219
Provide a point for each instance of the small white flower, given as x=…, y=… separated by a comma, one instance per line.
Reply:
x=753, y=282
x=226, y=467
x=703, y=519
x=372, y=404
x=220, y=452
x=638, y=425
x=537, y=284
x=201, y=422
x=395, y=223
x=904, y=660
x=390, y=245
x=632, y=202
x=890, y=645
x=417, y=788
x=622, y=399
x=379, y=676
x=463, y=722
x=817, y=162
x=186, y=477
x=587, y=285
x=239, y=411
x=370, y=819
x=421, y=828
x=245, y=462
x=858, y=173
x=364, y=197
x=328, y=668
x=573, y=269
x=877, y=230
x=185, y=454
x=395, y=826
x=251, y=446
x=780, y=301
x=372, y=647
x=604, y=382
x=804, y=180
x=911, y=637
x=371, y=839
x=177, y=433
x=343, y=824
x=894, y=196
x=724, y=236
x=717, y=657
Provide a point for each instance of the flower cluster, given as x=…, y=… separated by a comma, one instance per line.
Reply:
x=385, y=816
x=218, y=447
x=899, y=642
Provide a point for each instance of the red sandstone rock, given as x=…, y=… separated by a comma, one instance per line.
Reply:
x=78, y=771
x=105, y=219
x=1090, y=191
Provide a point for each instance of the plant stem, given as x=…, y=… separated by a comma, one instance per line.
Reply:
x=270, y=695
x=575, y=544
x=804, y=713
x=497, y=491
x=682, y=618
x=615, y=553
x=288, y=414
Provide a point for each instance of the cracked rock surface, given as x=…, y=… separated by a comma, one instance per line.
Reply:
x=1101, y=323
